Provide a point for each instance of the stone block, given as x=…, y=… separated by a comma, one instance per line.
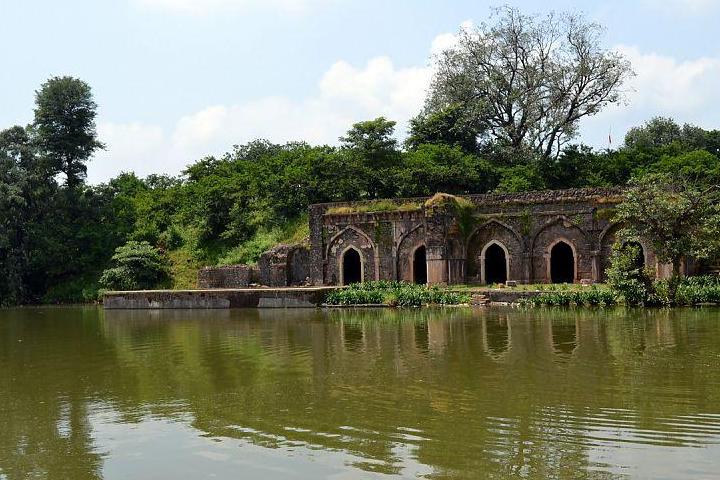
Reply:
x=230, y=276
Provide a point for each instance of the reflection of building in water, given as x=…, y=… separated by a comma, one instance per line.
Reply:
x=564, y=337
x=662, y=333
x=437, y=335
x=510, y=393
x=496, y=337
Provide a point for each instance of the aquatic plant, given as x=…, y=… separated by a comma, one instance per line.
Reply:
x=397, y=294
x=593, y=296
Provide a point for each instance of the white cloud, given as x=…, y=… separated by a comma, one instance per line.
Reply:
x=203, y=7
x=345, y=94
x=130, y=147
x=684, y=90
x=446, y=41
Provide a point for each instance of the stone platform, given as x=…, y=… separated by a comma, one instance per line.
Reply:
x=305, y=297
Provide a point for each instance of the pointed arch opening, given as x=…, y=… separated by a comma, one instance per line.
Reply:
x=352, y=267
x=420, y=265
x=639, y=260
x=562, y=263
x=494, y=263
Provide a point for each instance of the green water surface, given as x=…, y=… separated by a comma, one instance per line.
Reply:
x=306, y=394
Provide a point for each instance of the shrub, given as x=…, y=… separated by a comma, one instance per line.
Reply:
x=698, y=290
x=594, y=297
x=78, y=290
x=702, y=281
x=628, y=277
x=397, y=294
x=375, y=206
x=136, y=266
x=171, y=238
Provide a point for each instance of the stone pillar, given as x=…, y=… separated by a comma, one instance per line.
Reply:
x=317, y=245
x=527, y=259
x=445, y=261
x=456, y=260
x=437, y=266
x=595, y=259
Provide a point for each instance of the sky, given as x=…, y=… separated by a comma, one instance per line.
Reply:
x=177, y=80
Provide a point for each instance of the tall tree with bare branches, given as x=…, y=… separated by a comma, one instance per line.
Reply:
x=525, y=81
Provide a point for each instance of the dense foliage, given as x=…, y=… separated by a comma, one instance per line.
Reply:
x=397, y=294
x=58, y=234
x=592, y=297
x=690, y=291
x=135, y=266
x=628, y=276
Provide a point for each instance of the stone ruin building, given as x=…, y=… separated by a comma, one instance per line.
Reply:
x=560, y=236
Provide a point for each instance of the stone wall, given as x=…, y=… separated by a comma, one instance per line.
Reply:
x=231, y=276
x=534, y=237
x=217, y=298
x=285, y=265
x=282, y=266
x=532, y=230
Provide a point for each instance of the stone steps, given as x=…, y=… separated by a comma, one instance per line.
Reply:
x=479, y=299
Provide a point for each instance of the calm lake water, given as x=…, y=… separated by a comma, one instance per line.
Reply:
x=442, y=394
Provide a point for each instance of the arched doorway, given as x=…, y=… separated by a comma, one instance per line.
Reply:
x=495, y=264
x=562, y=263
x=351, y=267
x=639, y=260
x=420, y=265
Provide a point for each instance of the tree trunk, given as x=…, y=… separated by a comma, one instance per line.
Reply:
x=674, y=280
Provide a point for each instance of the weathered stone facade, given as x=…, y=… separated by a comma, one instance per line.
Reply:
x=282, y=266
x=285, y=266
x=231, y=276
x=562, y=236
x=535, y=237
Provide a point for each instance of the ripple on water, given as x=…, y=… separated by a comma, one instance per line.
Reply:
x=507, y=393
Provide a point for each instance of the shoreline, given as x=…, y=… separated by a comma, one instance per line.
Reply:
x=290, y=297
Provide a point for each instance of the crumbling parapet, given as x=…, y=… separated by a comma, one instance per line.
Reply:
x=229, y=276
x=286, y=265
x=456, y=233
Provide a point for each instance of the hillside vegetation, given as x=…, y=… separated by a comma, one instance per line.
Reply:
x=58, y=233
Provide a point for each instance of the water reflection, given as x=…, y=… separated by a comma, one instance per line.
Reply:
x=310, y=394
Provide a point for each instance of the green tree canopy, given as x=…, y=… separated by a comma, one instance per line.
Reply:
x=677, y=217
x=432, y=168
x=136, y=266
x=449, y=126
x=527, y=80
x=373, y=149
x=65, y=126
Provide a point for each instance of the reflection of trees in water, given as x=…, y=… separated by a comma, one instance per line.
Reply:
x=44, y=385
x=497, y=391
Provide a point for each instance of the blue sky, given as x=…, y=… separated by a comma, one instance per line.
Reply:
x=180, y=79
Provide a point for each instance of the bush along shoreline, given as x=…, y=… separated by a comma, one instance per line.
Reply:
x=395, y=294
x=592, y=297
x=689, y=292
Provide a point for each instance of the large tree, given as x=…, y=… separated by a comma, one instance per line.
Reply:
x=661, y=135
x=25, y=190
x=677, y=217
x=448, y=126
x=527, y=80
x=65, y=126
x=373, y=155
